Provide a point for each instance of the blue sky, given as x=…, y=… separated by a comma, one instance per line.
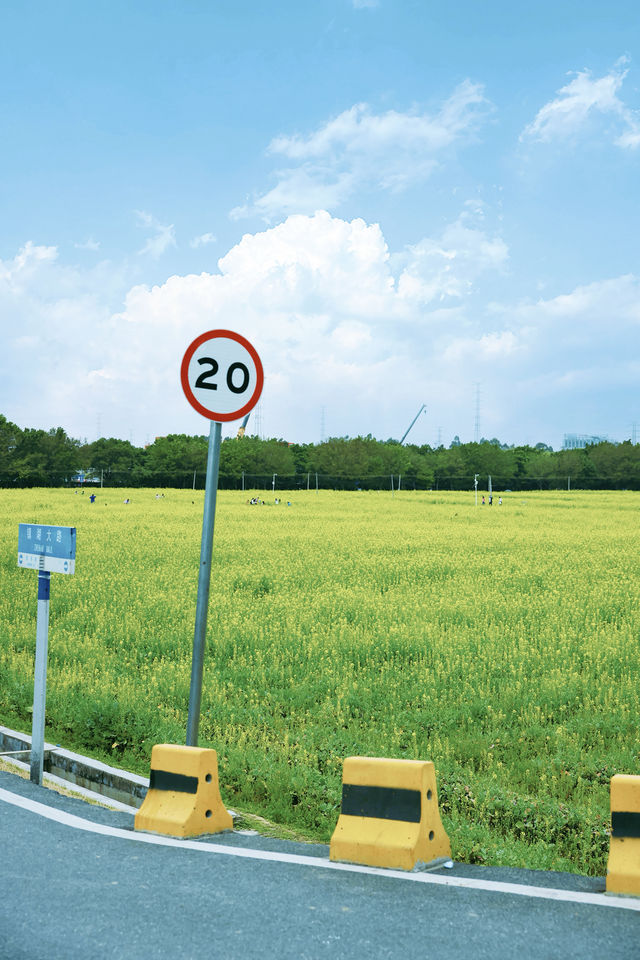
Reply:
x=394, y=202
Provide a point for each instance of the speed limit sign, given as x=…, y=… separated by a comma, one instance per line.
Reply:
x=222, y=375
x=222, y=378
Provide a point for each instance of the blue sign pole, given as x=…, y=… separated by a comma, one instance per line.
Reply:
x=204, y=580
x=40, y=677
x=44, y=548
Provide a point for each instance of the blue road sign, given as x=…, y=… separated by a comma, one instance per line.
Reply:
x=43, y=547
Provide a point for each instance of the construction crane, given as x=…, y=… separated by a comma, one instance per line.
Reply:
x=242, y=426
x=423, y=407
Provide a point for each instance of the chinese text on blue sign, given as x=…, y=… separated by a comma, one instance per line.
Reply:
x=43, y=547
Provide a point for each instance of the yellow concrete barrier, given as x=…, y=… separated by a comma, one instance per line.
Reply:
x=183, y=799
x=389, y=815
x=623, y=868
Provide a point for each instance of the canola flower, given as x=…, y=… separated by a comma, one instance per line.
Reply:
x=500, y=642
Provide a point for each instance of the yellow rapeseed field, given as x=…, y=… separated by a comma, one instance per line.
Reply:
x=500, y=642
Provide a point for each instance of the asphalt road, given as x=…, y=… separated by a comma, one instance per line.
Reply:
x=67, y=892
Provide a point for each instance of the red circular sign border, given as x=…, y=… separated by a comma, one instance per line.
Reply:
x=184, y=375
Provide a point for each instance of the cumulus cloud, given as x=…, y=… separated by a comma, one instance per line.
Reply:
x=448, y=266
x=581, y=100
x=55, y=326
x=16, y=273
x=594, y=325
x=340, y=322
x=361, y=149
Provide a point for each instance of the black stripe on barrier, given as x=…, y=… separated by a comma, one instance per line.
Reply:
x=384, y=803
x=625, y=825
x=165, y=780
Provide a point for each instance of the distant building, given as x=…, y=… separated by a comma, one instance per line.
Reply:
x=85, y=476
x=578, y=441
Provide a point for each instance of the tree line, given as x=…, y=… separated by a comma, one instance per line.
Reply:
x=31, y=457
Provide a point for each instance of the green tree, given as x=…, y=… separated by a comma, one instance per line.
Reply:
x=418, y=472
x=574, y=467
x=45, y=457
x=256, y=457
x=111, y=459
x=358, y=459
x=616, y=465
x=9, y=437
x=540, y=471
x=302, y=454
x=172, y=460
x=451, y=472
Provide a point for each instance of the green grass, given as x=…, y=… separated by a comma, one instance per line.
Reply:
x=501, y=643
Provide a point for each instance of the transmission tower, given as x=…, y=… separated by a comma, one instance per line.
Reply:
x=476, y=425
x=258, y=420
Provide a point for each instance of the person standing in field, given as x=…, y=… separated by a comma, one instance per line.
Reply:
x=490, y=499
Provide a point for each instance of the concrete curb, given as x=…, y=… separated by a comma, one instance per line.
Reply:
x=91, y=778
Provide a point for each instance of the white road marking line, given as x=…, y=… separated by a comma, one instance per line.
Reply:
x=489, y=886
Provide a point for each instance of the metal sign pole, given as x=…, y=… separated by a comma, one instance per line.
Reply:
x=204, y=579
x=40, y=677
x=44, y=548
x=222, y=378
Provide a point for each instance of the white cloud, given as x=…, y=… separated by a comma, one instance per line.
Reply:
x=581, y=335
x=310, y=259
x=55, y=326
x=202, y=241
x=15, y=274
x=579, y=101
x=337, y=323
x=631, y=136
x=602, y=310
x=162, y=238
x=89, y=244
x=360, y=149
x=299, y=190
x=448, y=266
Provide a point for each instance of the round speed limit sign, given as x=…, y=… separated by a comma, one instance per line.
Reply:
x=222, y=375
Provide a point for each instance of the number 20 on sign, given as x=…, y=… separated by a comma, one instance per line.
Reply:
x=222, y=375
x=222, y=379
